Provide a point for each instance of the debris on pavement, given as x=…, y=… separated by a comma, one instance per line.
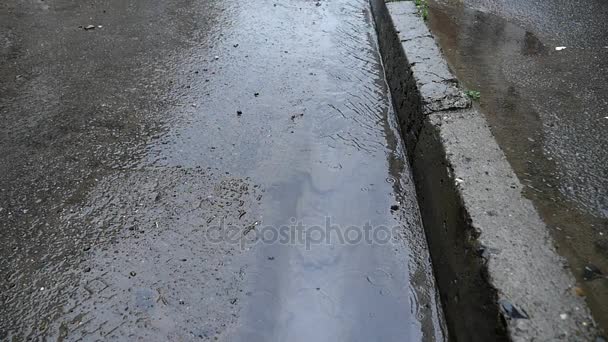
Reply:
x=592, y=272
x=512, y=311
x=249, y=228
x=579, y=291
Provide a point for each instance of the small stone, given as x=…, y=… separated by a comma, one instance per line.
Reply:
x=87, y=269
x=239, y=113
x=133, y=274
x=512, y=311
x=394, y=207
x=591, y=272
x=89, y=27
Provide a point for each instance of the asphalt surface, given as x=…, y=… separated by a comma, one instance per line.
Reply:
x=548, y=109
x=148, y=146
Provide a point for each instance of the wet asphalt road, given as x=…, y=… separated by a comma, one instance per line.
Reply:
x=548, y=109
x=142, y=160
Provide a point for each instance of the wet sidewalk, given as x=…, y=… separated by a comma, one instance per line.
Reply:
x=221, y=170
x=541, y=69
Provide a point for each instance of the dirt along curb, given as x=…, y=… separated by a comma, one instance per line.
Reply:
x=498, y=273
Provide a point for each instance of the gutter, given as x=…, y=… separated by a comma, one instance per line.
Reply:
x=499, y=275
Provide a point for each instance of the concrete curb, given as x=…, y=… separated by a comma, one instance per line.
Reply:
x=498, y=273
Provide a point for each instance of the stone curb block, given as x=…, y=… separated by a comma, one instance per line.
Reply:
x=497, y=270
